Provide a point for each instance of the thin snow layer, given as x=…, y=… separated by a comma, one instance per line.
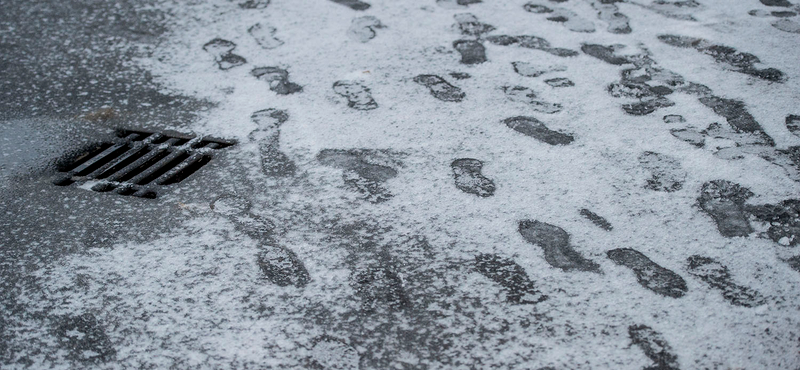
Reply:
x=393, y=278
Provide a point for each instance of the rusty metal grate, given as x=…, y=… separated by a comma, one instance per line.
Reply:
x=138, y=162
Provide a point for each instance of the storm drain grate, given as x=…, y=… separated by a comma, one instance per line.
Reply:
x=138, y=162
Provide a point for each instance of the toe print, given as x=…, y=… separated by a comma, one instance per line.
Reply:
x=534, y=128
x=554, y=241
x=358, y=96
x=519, y=287
x=468, y=177
x=649, y=274
x=278, y=80
x=440, y=89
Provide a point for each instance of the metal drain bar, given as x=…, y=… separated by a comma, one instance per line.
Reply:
x=138, y=162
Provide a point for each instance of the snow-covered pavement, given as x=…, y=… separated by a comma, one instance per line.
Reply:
x=420, y=184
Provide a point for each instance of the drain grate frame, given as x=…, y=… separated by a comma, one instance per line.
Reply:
x=138, y=162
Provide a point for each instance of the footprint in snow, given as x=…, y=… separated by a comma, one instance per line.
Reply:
x=666, y=172
x=649, y=274
x=254, y=4
x=353, y=4
x=794, y=263
x=530, y=126
x=332, y=353
x=779, y=3
x=533, y=70
x=222, y=50
x=85, y=339
x=531, y=42
x=380, y=287
x=784, y=20
x=237, y=209
x=596, y=219
x=264, y=35
x=364, y=170
x=440, y=89
x=522, y=94
x=568, y=18
x=793, y=124
x=273, y=161
x=717, y=276
x=362, y=29
x=472, y=52
x=455, y=4
x=735, y=60
x=468, y=177
x=783, y=219
x=468, y=25
x=282, y=267
x=278, y=80
x=673, y=118
x=608, y=12
x=654, y=346
x=559, y=82
x=519, y=288
x=554, y=241
x=724, y=202
x=358, y=96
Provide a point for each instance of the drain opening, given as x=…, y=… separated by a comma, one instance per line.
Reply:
x=187, y=169
x=138, y=162
x=72, y=161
